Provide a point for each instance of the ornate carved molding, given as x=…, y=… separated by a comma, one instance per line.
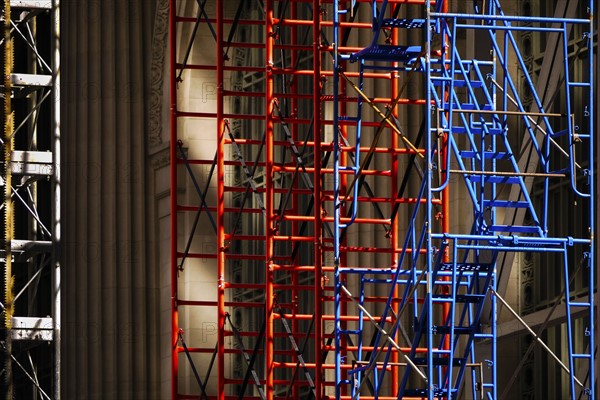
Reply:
x=160, y=158
x=159, y=54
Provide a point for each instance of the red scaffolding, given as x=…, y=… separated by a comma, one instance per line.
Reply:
x=268, y=191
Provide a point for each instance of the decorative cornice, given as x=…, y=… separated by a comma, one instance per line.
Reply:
x=159, y=53
x=160, y=158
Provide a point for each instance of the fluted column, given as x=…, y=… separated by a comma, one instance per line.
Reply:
x=110, y=331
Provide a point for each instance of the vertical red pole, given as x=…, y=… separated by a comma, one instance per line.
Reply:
x=220, y=207
x=173, y=193
x=269, y=300
x=317, y=196
x=395, y=142
x=295, y=201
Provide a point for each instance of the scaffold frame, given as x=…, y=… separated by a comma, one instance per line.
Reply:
x=342, y=130
x=30, y=179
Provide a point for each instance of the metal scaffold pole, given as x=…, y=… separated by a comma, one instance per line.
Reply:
x=8, y=143
x=56, y=240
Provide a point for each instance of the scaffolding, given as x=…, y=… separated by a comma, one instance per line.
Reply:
x=311, y=187
x=31, y=215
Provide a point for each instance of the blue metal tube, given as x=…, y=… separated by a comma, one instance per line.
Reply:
x=356, y=168
x=592, y=200
x=565, y=262
x=361, y=324
x=571, y=122
x=510, y=18
x=452, y=322
x=516, y=239
x=429, y=154
x=508, y=28
x=492, y=11
x=494, y=359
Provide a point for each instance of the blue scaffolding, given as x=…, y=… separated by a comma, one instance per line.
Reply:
x=434, y=335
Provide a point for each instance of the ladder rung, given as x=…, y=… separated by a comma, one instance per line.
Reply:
x=458, y=83
x=477, y=130
x=350, y=331
x=505, y=204
x=496, y=155
x=582, y=355
x=580, y=304
x=494, y=179
x=513, y=228
x=579, y=84
x=469, y=106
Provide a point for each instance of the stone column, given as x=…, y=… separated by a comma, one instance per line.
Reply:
x=110, y=343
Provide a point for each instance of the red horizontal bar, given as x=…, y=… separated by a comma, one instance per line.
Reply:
x=295, y=268
x=400, y=200
x=277, y=237
x=361, y=220
x=195, y=114
x=376, y=172
x=382, y=100
x=419, y=350
x=276, y=382
x=367, y=299
x=363, y=149
x=281, y=364
x=262, y=190
x=305, y=22
x=206, y=350
x=362, y=249
x=299, y=72
x=233, y=210
x=258, y=142
x=262, y=94
x=260, y=286
x=331, y=317
x=295, y=239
